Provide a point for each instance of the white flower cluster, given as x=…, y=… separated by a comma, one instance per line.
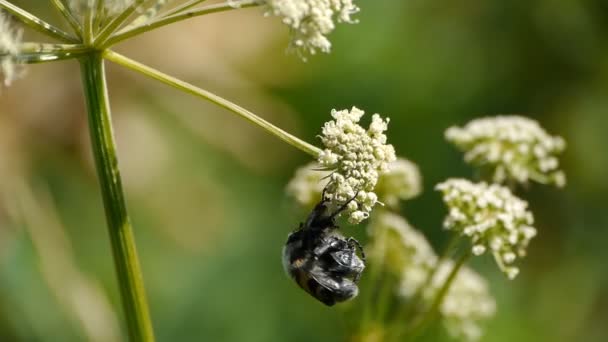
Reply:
x=402, y=181
x=10, y=39
x=356, y=158
x=307, y=185
x=405, y=252
x=515, y=147
x=312, y=20
x=466, y=303
x=492, y=217
x=400, y=247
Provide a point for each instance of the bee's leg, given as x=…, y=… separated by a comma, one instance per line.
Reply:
x=341, y=209
x=320, y=250
x=327, y=244
x=354, y=243
x=357, y=278
x=323, y=194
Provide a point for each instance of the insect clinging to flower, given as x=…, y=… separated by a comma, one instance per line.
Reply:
x=321, y=260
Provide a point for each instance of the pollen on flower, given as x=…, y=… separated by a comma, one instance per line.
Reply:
x=493, y=219
x=515, y=147
x=312, y=20
x=356, y=157
x=10, y=39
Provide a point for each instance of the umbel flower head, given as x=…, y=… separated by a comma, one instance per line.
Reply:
x=492, y=217
x=312, y=20
x=465, y=305
x=406, y=253
x=399, y=246
x=10, y=39
x=307, y=185
x=514, y=147
x=402, y=181
x=356, y=158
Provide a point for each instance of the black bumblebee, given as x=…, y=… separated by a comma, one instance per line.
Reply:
x=321, y=260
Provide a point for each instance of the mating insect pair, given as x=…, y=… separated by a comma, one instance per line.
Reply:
x=321, y=260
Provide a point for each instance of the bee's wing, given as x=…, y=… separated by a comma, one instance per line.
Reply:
x=330, y=290
x=322, y=286
x=325, y=280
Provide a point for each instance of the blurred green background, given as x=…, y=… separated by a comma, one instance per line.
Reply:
x=206, y=189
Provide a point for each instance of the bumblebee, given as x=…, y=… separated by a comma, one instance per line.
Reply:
x=321, y=260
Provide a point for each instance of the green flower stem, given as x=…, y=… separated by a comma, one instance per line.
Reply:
x=186, y=6
x=36, y=23
x=99, y=15
x=87, y=34
x=421, y=322
x=116, y=22
x=32, y=53
x=69, y=17
x=370, y=297
x=121, y=234
x=447, y=251
x=221, y=7
x=191, y=89
x=409, y=309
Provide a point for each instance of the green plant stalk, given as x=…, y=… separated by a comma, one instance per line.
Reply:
x=121, y=234
x=408, y=311
x=69, y=17
x=369, y=298
x=36, y=23
x=115, y=23
x=183, y=7
x=220, y=101
x=421, y=322
x=447, y=251
x=87, y=30
x=32, y=53
x=163, y=21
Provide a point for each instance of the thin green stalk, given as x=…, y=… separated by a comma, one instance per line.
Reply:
x=185, y=6
x=87, y=22
x=369, y=298
x=447, y=251
x=99, y=16
x=385, y=294
x=115, y=23
x=221, y=7
x=153, y=7
x=409, y=309
x=419, y=324
x=121, y=234
x=36, y=23
x=32, y=53
x=191, y=89
x=69, y=17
